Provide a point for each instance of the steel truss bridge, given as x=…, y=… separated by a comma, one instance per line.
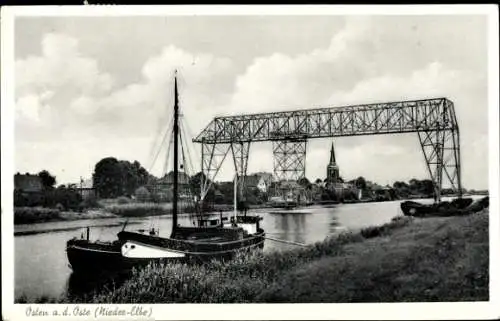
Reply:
x=434, y=121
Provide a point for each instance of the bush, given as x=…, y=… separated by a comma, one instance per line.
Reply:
x=68, y=198
x=142, y=194
x=26, y=215
x=160, y=197
x=90, y=202
x=144, y=209
x=383, y=230
x=123, y=200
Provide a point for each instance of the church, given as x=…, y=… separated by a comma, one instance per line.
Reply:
x=333, y=180
x=332, y=170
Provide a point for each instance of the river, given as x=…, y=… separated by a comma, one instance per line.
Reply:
x=41, y=266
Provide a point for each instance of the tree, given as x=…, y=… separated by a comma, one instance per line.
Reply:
x=304, y=182
x=360, y=182
x=142, y=194
x=47, y=179
x=113, y=178
x=426, y=187
x=227, y=190
x=107, y=178
x=318, y=181
x=195, y=182
x=400, y=185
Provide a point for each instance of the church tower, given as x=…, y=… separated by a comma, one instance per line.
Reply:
x=332, y=170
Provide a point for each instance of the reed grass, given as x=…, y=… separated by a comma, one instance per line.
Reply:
x=143, y=209
x=27, y=215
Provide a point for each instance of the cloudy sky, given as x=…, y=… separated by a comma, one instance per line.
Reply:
x=93, y=87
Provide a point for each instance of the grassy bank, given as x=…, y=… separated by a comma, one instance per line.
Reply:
x=151, y=209
x=430, y=259
x=30, y=215
x=27, y=215
x=105, y=209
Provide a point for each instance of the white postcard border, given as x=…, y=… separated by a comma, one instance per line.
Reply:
x=471, y=310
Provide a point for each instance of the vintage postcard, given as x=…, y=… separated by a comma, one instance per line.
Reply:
x=250, y=162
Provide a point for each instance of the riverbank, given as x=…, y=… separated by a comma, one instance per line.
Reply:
x=408, y=259
x=30, y=215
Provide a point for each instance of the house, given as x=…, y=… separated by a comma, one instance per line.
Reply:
x=168, y=179
x=257, y=181
x=86, y=188
x=165, y=185
x=268, y=178
x=28, y=183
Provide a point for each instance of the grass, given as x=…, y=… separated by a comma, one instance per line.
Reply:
x=142, y=209
x=137, y=209
x=437, y=259
x=27, y=215
x=30, y=215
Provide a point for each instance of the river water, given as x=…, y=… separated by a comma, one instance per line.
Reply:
x=41, y=267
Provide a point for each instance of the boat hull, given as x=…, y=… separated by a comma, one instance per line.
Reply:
x=459, y=206
x=87, y=257
x=191, y=251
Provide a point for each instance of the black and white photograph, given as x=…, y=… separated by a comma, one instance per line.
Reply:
x=280, y=155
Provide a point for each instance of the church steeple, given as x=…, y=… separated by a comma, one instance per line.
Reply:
x=332, y=170
x=332, y=155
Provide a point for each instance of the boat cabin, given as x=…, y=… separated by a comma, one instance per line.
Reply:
x=211, y=222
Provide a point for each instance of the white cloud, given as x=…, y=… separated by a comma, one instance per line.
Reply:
x=29, y=107
x=56, y=88
x=61, y=66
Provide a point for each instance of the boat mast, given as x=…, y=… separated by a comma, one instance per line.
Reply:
x=235, y=197
x=176, y=157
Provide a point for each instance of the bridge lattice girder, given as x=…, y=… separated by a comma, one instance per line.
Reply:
x=382, y=118
x=434, y=120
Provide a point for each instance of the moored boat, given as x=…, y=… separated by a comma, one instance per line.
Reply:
x=89, y=256
x=211, y=239
x=458, y=206
x=192, y=243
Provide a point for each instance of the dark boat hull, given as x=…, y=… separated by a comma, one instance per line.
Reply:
x=87, y=257
x=459, y=206
x=90, y=257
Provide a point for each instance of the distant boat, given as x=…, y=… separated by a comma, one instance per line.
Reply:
x=212, y=238
x=459, y=206
x=282, y=202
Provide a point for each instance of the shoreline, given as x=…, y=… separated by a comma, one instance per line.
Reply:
x=139, y=210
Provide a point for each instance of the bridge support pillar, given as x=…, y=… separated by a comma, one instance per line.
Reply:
x=441, y=150
x=212, y=157
x=240, y=151
x=289, y=161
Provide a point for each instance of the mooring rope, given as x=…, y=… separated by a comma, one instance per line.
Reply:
x=287, y=242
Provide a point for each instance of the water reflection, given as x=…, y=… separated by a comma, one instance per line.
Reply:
x=79, y=285
x=299, y=221
x=334, y=225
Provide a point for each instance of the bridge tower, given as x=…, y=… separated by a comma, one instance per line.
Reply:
x=240, y=151
x=289, y=164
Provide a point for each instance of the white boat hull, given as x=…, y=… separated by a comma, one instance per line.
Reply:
x=136, y=250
